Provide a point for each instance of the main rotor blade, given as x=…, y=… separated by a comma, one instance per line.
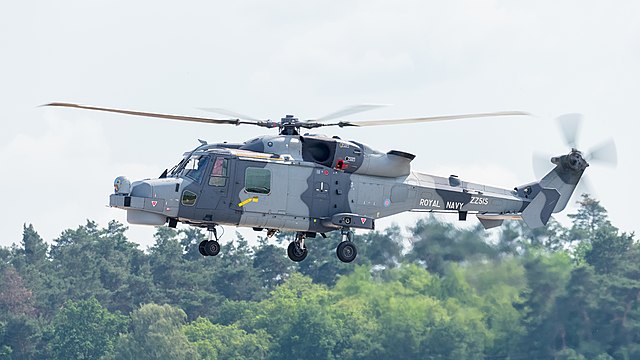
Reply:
x=222, y=111
x=605, y=153
x=426, y=119
x=349, y=110
x=161, y=116
x=570, y=125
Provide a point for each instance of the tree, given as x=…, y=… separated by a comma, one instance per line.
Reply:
x=499, y=285
x=35, y=249
x=609, y=250
x=180, y=278
x=297, y=318
x=546, y=276
x=34, y=267
x=381, y=248
x=15, y=298
x=85, y=330
x=155, y=333
x=21, y=337
x=236, y=278
x=435, y=243
x=271, y=263
x=215, y=341
x=516, y=238
x=101, y=263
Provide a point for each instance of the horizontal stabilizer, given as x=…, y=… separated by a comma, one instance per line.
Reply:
x=539, y=210
x=491, y=221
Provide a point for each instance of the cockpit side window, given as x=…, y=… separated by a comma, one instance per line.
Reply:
x=219, y=172
x=196, y=167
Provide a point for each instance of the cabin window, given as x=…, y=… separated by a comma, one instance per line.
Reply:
x=257, y=180
x=219, y=173
x=189, y=198
x=196, y=166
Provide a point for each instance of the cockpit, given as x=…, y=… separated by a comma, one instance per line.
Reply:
x=195, y=167
x=192, y=166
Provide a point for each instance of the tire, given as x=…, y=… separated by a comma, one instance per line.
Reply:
x=212, y=248
x=295, y=253
x=347, y=251
x=201, y=248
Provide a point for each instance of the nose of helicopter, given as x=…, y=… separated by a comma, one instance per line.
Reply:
x=149, y=201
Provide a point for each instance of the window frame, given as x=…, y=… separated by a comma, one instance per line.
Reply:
x=224, y=172
x=189, y=172
x=188, y=192
x=246, y=171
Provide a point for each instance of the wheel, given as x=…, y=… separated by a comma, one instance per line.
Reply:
x=201, y=247
x=347, y=251
x=212, y=248
x=296, y=253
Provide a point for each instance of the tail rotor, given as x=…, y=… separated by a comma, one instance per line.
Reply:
x=570, y=125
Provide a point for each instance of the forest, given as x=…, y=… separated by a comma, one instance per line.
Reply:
x=431, y=291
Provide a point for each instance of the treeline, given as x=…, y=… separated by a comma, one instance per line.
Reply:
x=440, y=293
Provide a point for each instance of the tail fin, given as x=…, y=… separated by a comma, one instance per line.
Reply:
x=539, y=210
x=565, y=177
x=552, y=193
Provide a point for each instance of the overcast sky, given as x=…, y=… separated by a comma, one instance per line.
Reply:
x=308, y=58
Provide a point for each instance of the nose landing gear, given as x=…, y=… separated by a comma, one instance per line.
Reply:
x=210, y=247
x=296, y=249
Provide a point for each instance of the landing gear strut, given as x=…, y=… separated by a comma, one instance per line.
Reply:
x=210, y=247
x=296, y=250
x=347, y=250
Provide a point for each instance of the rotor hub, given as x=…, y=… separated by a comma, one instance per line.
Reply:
x=572, y=161
x=289, y=125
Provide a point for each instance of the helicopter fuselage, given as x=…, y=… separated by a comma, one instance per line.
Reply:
x=312, y=184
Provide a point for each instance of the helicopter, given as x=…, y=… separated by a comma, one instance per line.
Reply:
x=313, y=184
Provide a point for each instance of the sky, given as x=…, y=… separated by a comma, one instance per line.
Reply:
x=308, y=58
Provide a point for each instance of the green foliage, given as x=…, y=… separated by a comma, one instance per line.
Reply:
x=546, y=279
x=236, y=278
x=445, y=293
x=20, y=337
x=85, y=330
x=155, y=333
x=435, y=244
x=214, y=341
x=271, y=264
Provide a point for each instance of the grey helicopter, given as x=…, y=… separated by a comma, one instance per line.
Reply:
x=314, y=184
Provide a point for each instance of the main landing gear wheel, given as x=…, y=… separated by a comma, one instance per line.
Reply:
x=201, y=246
x=347, y=251
x=209, y=248
x=212, y=248
x=296, y=249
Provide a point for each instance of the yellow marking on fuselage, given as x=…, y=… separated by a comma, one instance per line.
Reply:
x=256, y=155
x=251, y=199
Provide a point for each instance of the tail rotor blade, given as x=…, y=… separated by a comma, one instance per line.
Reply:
x=605, y=153
x=541, y=164
x=570, y=125
x=584, y=186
